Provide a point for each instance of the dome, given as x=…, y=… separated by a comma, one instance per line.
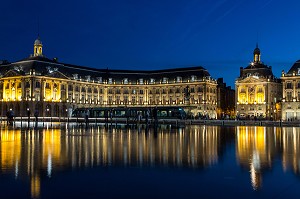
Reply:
x=37, y=41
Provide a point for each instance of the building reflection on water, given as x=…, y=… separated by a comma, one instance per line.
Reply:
x=41, y=153
x=257, y=148
x=38, y=154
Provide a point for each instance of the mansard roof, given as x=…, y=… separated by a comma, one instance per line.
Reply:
x=257, y=69
x=44, y=66
x=295, y=68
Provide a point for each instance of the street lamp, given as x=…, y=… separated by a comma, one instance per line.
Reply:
x=67, y=115
x=28, y=115
x=48, y=115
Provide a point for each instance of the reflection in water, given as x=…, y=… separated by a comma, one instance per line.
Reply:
x=291, y=149
x=256, y=148
x=186, y=147
x=34, y=152
x=43, y=153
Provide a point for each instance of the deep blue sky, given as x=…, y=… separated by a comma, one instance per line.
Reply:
x=219, y=35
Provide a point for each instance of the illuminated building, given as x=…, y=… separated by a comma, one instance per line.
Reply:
x=257, y=90
x=291, y=93
x=55, y=89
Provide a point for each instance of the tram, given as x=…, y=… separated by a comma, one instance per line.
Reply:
x=131, y=112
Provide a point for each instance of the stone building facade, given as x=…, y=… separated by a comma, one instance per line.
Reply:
x=291, y=93
x=55, y=89
x=258, y=91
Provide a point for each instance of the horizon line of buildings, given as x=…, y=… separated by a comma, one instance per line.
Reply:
x=56, y=89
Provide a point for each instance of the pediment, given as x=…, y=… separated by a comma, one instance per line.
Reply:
x=252, y=80
x=57, y=74
x=11, y=73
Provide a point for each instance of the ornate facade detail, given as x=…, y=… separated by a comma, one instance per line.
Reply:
x=55, y=88
x=258, y=91
x=291, y=93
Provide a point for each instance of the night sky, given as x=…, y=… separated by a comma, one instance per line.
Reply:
x=154, y=34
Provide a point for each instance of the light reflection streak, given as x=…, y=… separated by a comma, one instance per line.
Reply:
x=29, y=153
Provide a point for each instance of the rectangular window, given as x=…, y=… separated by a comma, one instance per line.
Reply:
x=289, y=96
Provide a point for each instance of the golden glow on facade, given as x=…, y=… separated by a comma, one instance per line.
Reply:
x=52, y=92
x=257, y=91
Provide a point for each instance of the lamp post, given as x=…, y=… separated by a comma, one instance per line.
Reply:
x=28, y=115
x=67, y=116
x=47, y=112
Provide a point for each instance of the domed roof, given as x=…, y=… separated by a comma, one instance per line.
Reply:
x=37, y=41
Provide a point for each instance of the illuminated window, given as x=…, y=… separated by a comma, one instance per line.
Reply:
x=178, y=79
x=99, y=79
x=141, y=81
x=75, y=76
x=165, y=80
x=193, y=78
x=110, y=81
x=125, y=81
x=152, y=81
x=88, y=78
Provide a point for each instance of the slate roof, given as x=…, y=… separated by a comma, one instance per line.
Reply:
x=258, y=69
x=42, y=65
x=294, y=68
